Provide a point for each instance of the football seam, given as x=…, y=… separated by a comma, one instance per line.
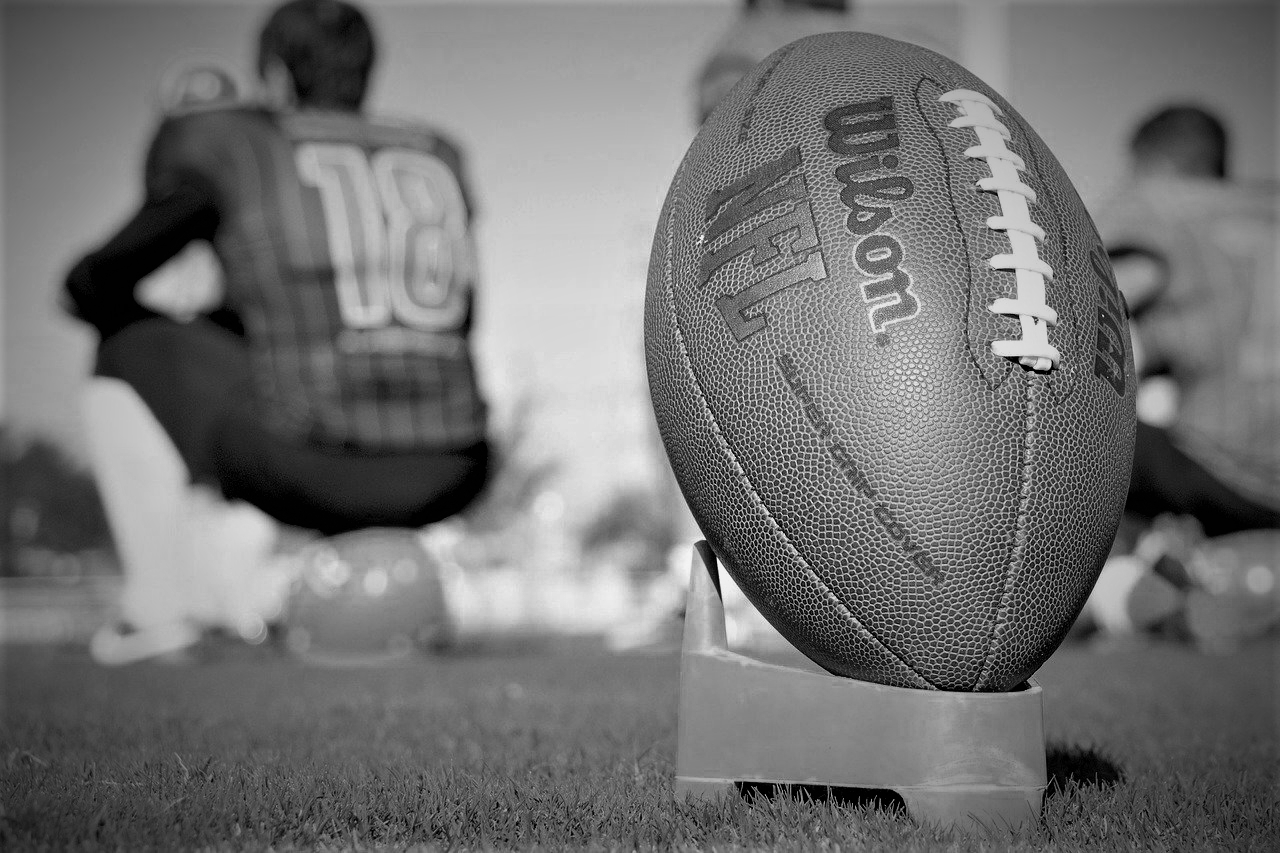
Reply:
x=748, y=108
x=1062, y=383
x=741, y=473
x=1004, y=370
x=1015, y=199
x=1017, y=556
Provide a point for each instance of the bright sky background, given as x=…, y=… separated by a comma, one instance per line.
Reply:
x=575, y=116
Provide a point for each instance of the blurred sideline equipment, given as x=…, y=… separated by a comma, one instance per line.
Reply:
x=368, y=597
x=1215, y=592
x=658, y=622
x=901, y=409
x=972, y=760
x=1237, y=589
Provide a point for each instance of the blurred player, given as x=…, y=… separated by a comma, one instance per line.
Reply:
x=760, y=28
x=1195, y=255
x=334, y=388
x=763, y=26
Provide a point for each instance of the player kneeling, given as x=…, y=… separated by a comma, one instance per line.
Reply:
x=330, y=388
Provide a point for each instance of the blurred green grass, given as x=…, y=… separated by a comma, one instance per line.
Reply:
x=534, y=746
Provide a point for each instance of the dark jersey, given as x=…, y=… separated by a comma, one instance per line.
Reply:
x=1215, y=324
x=347, y=253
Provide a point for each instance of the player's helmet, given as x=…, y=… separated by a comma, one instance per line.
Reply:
x=368, y=597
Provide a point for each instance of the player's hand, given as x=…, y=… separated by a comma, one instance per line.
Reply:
x=188, y=284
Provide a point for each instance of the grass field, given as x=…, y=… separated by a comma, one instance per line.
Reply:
x=1151, y=747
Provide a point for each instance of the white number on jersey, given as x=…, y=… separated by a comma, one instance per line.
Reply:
x=397, y=233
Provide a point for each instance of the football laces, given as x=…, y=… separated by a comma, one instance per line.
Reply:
x=1033, y=350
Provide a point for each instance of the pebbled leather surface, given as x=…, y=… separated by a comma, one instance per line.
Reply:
x=904, y=505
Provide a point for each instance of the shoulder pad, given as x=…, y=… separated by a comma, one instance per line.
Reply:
x=200, y=85
x=416, y=127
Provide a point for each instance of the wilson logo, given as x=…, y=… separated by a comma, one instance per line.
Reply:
x=781, y=243
x=867, y=131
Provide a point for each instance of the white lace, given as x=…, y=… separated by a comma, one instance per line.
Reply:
x=977, y=111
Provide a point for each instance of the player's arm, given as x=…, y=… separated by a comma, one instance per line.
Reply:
x=180, y=206
x=100, y=288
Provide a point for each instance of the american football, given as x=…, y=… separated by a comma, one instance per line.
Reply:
x=891, y=366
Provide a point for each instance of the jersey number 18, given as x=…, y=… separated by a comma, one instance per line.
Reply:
x=397, y=231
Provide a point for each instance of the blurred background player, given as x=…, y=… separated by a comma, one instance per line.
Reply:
x=762, y=26
x=333, y=389
x=759, y=28
x=1195, y=254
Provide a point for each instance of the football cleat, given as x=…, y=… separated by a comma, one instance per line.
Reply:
x=122, y=643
